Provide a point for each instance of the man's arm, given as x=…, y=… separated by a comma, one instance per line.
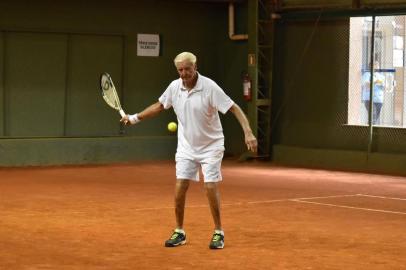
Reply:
x=149, y=112
x=250, y=139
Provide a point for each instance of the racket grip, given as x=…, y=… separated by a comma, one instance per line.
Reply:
x=122, y=113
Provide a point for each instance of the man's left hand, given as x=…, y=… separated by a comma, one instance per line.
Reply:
x=251, y=142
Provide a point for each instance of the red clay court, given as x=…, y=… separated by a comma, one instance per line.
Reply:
x=118, y=217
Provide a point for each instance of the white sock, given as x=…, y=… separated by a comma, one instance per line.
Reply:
x=180, y=231
x=219, y=232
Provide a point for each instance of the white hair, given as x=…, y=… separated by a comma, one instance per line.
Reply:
x=185, y=56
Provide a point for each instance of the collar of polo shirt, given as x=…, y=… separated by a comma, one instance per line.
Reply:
x=196, y=88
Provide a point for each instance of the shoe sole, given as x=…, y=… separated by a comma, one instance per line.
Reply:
x=220, y=247
x=176, y=245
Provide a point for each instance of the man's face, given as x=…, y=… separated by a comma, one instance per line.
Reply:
x=187, y=71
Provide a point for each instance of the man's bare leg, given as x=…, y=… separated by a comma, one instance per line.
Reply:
x=178, y=237
x=213, y=195
x=180, y=198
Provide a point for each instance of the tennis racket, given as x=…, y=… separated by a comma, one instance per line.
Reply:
x=109, y=93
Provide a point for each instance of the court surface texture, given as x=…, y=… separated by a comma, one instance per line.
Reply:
x=118, y=217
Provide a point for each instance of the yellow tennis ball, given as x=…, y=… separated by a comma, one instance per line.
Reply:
x=172, y=126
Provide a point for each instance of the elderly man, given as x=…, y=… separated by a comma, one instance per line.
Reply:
x=196, y=101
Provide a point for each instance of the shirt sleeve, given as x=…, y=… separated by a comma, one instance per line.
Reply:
x=166, y=98
x=220, y=100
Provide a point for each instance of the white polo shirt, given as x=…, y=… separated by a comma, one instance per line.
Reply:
x=199, y=126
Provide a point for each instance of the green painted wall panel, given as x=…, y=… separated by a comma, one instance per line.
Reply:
x=59, y=151
x=389, y=163
x=2, y=107
x=87, y=113
x=35, y=84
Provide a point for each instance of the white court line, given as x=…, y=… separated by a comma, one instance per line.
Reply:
x=351, y=207
x=299, y=200
x=382, y=197
x=268, y=201
x=246, y=203
x=190, y=206
x=309, y=198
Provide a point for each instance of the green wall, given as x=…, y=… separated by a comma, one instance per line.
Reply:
x=52, y=55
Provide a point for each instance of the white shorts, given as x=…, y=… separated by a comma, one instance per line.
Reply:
x=188, y=165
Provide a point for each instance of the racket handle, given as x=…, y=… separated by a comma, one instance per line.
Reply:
x=122, y=113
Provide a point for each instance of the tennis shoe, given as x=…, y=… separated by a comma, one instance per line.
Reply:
x=217, y=241
x=176, y=239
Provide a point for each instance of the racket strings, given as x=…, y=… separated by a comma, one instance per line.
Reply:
x=109, y=92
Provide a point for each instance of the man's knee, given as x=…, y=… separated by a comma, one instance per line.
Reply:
x=182, y=183
x=181, y=187
x=211, y=186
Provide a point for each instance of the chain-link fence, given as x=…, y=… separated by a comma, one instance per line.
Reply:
x=324, y=84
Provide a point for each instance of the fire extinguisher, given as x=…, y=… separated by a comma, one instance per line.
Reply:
x=246, y=83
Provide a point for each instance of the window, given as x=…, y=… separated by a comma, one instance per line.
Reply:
x=388, y=108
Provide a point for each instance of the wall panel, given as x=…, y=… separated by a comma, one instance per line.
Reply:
x=2, y=107
x=87, y=113
x=35, y=84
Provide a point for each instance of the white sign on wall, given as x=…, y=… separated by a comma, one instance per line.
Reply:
x=147, y=45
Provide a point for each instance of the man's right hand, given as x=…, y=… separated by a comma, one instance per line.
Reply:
x=130, y=119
